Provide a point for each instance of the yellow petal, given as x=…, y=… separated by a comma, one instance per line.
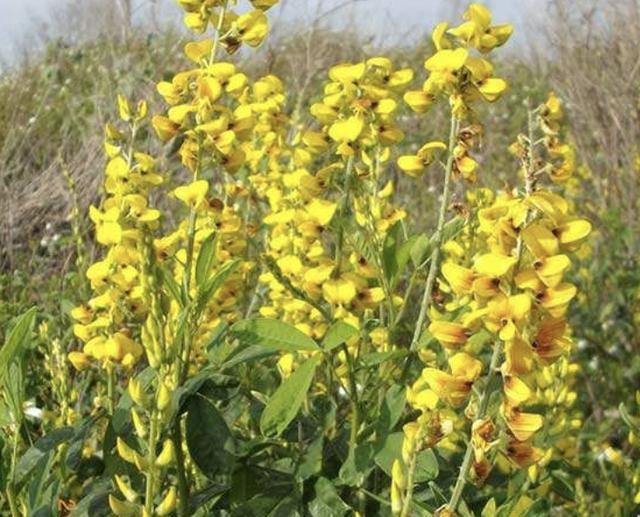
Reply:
x=448, y=333
x=540, y=240
x=447, y=60
x=418, y=101
x=192, y=194
x=346, y=130
x=574, y=232
x=524, y=425
x=412, y=165
x=494, y=265
x=516, y=390
x=196, y=51
x=465, y=366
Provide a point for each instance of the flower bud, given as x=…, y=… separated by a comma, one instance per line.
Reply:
x=167, y=454
x=164, y=397
x=125, y=488
x=123, y=508
x=138, y=393
x=168, y=504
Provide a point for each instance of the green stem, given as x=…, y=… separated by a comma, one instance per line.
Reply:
x=405, y=304
x=12, y=503
x=343, y=210
x=151, y=460
x=353, y=395
x=111, y=403
x=411, y=472
x=183, y=485
x=11, y=497
x=435, y=255
x=216, y=39
x=480, y=414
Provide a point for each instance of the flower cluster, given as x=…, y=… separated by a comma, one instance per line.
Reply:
x=298, y=223
x=161, y=295
x=121, y=222
x=511, y=300
x=319, y=267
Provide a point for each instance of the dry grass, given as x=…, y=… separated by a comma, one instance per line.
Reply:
x=595, y=67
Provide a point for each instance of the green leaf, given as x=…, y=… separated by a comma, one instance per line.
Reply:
x=358, y=464
x=489, y=509
x=209, y=288
x=284, y=404
x=391, y=410
x=327, y=502
x=426, y=466
x=96, y=502
x=376, y=358
x=311, y=460
x=43, y=447
x=17, y=340
x=288, y=507
x=420, y=250
x=208, y=437
x=206, y=379
x=438, y=494
x=206, y=258
x=169, y=282
x=426, y=339
x=423, y=246
x=339, y=333
x=396, y=253
x=272, y=334
x=627, y=418
x=206, y=496
x=248, y=354
x=561, y=485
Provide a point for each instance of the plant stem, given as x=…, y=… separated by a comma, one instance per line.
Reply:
x=480, y=414
x=353, y=395
x=216, y=39
x=110, y=389
x=11, y=498
x=150, y=480
x=493, y=367
x=435, y=254
x=411, y=472
x=183, y=486
x=343, y=209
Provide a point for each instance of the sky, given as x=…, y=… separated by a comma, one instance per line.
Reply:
x=397, y=19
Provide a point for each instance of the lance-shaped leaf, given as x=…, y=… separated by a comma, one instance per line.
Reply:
x=339, y=333
x=284, y=404
x=272, y=334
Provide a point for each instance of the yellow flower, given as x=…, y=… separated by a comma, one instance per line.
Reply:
x=450, y=334
x=252, y=27
x=79, y=360
x=345, y=132
x=456, y=386
x=522, y=425
x=196, y=51
x=419, y=101
x=193, y=194
x=108, y=230
x=414, y=165
x=339, y=291
x=494, y=265
x=505, y=313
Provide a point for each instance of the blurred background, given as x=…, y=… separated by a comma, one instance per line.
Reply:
x=63, y=61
